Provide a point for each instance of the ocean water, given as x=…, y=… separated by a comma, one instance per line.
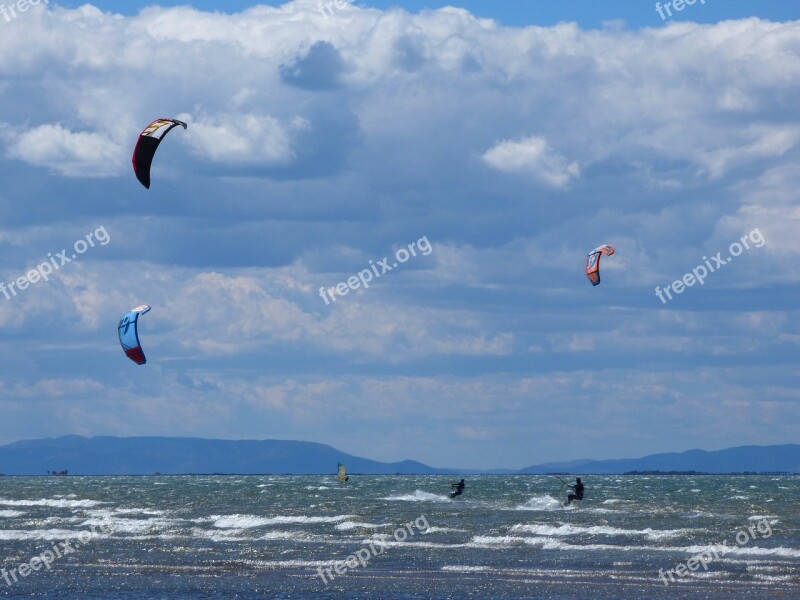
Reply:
x=506, y=537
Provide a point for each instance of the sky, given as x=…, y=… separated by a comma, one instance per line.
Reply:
x=463, y=160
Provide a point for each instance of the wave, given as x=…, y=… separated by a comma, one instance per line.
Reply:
x=482, y=541
x=288, y=564
x=292, y=536
x=547, y=543
x=55, y=503
x=388, y=541
x=136, y=526
x=771, y=519
x=250, y=521
x=348, y=525
x=10, y=514
x=598, y=511
x=568, y=530
x=46, y=534
x=544, y=502
x=139, y=511
x=420, y=496
x=725, y=550
x=466, y=569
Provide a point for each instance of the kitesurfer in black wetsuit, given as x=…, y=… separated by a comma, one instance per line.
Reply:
x=458, y=488
x=578, y=488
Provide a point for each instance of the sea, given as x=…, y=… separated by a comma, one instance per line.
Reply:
x=399, y=537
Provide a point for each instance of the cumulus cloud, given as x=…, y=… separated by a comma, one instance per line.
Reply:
x=534, y=157
x=74, y=154
x=244, y=139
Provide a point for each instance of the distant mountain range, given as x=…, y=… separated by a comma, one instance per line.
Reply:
x=148, y=455
x=733, y=460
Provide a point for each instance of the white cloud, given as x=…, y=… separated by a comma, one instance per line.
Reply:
x=74, y=154
x=246, y=139
x=532, y=156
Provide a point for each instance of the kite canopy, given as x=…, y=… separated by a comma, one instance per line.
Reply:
x=593, y=262
x=129, y=334
x=147, y=144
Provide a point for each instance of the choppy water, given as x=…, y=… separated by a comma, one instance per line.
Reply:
x=506, y=537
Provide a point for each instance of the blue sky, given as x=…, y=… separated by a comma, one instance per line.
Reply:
x=521, y=13
x=504, y=150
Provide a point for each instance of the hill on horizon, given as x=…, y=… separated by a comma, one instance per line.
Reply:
x=758, y=459
x=107, y=455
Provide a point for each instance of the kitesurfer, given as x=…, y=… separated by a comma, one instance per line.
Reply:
x=458, y=488
x=578, y=489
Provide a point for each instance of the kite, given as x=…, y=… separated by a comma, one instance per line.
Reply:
x=129, y=334
x=147, y=144
x=593, y=262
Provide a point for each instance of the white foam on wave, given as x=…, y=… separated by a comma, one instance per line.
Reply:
x=10, y=514
x=568, y=530
x=775, y=578
x=695, y=515
x=139, y=511
x=250, y=521
x=708, y=575
x=389, y=541
x=543, y=502
x=771, y=519
x=496, y=540
x=419, y=496
x=434, y=529
x=348, y=525
x=46, y=534
x=465, y=569
x=292, y=536
x=55, y=503
x=548, y=543
x=726, y=550
x=614, y=501
x=288, y=564
x=135, y=526
x=598, y=511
